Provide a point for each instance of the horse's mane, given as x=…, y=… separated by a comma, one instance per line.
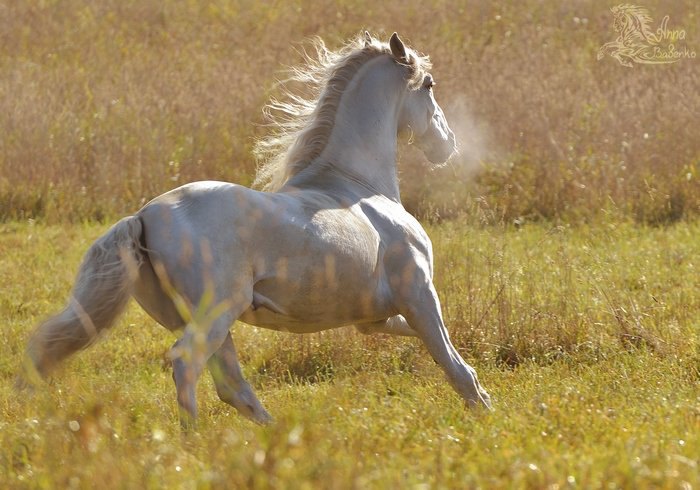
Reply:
x=636, y=21
x=301, y=126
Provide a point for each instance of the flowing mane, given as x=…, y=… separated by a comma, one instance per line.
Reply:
x=301, y=126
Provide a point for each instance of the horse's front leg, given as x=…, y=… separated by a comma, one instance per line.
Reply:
x=420, y=306
x=395, y=325
x=231, y=387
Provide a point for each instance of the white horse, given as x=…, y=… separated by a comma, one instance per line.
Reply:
x=328, y=245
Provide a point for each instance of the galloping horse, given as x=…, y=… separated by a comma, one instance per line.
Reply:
x=325, y=245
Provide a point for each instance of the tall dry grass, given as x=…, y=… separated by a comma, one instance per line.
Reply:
x=104, y=105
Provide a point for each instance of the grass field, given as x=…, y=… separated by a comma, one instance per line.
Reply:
x=586, y=338
x=565, y=235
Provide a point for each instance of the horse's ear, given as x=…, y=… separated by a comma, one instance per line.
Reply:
x=368, y=39
x=397, y=47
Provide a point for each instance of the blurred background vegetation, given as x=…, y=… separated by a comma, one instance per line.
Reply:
x=104, y=105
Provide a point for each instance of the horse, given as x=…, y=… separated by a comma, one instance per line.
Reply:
x=326, y=243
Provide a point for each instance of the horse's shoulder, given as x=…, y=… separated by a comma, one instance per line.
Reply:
x=397, y=227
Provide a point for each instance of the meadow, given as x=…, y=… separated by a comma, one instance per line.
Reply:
x=565, y=235
x=585, y=337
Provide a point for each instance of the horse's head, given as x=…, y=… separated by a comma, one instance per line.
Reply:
x=421, y=113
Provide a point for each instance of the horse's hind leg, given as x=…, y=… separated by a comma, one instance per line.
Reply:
x=223, y=363
x=196, y=347
x=231, y=387
x=190, y=353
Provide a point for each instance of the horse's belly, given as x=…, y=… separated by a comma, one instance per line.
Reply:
x=306, y=310
x=262, y=317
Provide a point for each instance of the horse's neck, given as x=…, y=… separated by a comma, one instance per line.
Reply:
x=363, y=141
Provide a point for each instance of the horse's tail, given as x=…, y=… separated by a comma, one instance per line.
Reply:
x=102, y=289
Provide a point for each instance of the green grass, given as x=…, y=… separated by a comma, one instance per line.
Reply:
x=586, y=337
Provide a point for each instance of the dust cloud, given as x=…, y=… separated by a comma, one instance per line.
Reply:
x=474, y=145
